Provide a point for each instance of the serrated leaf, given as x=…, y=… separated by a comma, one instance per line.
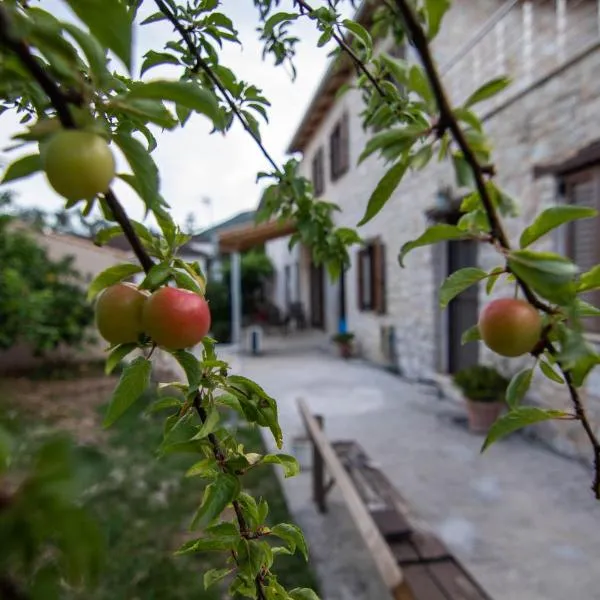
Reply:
x=191, y=367
x=517, y=419
x=203, y=545
x=153, y=111
x=417, y=82
x=133, y=383
x=398, y=140
x=518, y=386
x=205, y=467
x=487, y=90
x=585, y=309
x=458, y=282
x=210, y=424
x=143, y=166
x=290, y=465
x=117, y=355
x=153, y=59
x=23, y=167
x=433, y=235
x=157, y=276
x=361, y=34
x=303, y=594
x=183, y=93
x=462, y=170
x=550, y=275
x=164, y=403
x=492, y=279
x=109, y=23
x=435, y=11
x=471, y=335
x=213, y=576
x=293, y=537
x=550, y=373
x=110, y=276
x=384, y=190
x=590, y=280
x=93, y=50
x=277, y=19
x=552, y=218
x=217, y=496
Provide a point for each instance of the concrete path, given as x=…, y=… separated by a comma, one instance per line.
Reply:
x=521, y=518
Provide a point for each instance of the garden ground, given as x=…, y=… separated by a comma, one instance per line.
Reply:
x=521, y=518
x=144, y=505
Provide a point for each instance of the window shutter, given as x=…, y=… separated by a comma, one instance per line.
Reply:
x=583, y=238
x=360, y=280
x=344, y=154
x=379, y=279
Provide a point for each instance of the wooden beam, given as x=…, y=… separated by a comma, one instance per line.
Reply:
x=384, y=559
x=245, y=237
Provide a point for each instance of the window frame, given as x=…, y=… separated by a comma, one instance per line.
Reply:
x=339, y=148
x=318, y=172
x=373, y=254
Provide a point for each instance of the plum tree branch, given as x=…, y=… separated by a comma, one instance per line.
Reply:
x=419, y=40
x=61, y=105
x=202, y=64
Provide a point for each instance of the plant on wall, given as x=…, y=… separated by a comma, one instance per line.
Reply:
x=78, y=108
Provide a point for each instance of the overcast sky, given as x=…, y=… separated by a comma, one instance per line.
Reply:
x=192, y=163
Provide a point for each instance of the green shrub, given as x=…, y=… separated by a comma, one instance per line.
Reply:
x=481, y=383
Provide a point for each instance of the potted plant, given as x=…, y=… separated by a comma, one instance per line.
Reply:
x=484, y=389
x=344, y=343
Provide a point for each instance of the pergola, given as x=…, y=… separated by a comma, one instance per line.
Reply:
x=235, y=240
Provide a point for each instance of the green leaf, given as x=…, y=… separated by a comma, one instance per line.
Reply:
x=164, y=403
x=487, y=90
x=585, y=309
x=93, y=50
x=361, y=34
x=471, y=335
x=550, y=373
x=293, y=537
x=462, y=170
x=276, y=19
x=210, y=424
x=153, y=59
x=393, y=140
x=417, y=82
x=290, y=465
x=577, y=355
x=143, y=166
x=433, y=235
x=23, y=167
x=518, y=386
x=133, y=383
x=117, y=355
x=552, y=218
x=550, y=275
x=492, y=278
x=157, y=276
x=217, y=496
x=458, y=282
x=435, y=11
x=110, y=276
x=517, y=419
x=109, y=23
x=590, y=280
x=303, y=594
x=183, y=93
x=203, y=468
x=213, y=576
x=191, y=366
x=203, y=545
x=153, y=111
x=384, y=190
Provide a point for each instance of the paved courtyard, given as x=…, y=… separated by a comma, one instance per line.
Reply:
x=521, y=518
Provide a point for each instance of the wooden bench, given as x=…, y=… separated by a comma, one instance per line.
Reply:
x=414, y=563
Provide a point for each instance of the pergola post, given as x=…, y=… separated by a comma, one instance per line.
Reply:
x=236, y=298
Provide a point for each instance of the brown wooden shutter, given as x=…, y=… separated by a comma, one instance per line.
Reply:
x=344, y=153
x=359, y=280
x=379, y=278
x=583, y=189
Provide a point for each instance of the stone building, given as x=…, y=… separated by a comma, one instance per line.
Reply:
x=545, y=130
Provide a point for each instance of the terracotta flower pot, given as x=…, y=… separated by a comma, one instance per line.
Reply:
x=345, y=349
x=482, y=414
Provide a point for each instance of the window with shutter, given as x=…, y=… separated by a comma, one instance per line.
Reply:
x=372, y=278
x=583, y=239
x=318, y=172
x=339, y=148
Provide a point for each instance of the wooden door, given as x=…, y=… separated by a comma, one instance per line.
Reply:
x=463, y=310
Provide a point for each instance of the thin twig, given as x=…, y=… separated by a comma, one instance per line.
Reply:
x=202, y=64
x=358, y=63
x=419, y=40
x=20, y=48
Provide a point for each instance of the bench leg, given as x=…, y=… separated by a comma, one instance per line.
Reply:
x=318, y=472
